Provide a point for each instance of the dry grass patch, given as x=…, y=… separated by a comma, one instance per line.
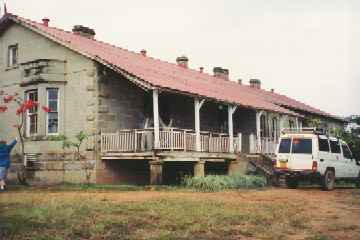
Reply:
x=270, y=214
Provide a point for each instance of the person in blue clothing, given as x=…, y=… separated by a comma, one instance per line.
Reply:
x=5, y=161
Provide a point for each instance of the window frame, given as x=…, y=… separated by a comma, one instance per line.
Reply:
x=344, y=145
x=274, y=125
x=290, y=145
x=29, y=114
x=291, y=124
x=328, y=144
x=339, y=144
x=302, y=139
x=10, y=56
x=58, y=113
x=263, y=126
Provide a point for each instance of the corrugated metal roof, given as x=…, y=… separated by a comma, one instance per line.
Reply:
x=162, y=74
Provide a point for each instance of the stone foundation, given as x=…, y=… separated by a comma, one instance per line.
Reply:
x=53, y=168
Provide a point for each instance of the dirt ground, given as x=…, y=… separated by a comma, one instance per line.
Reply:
x=333, y=215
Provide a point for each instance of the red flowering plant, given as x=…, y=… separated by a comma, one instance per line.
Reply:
x=13, y=102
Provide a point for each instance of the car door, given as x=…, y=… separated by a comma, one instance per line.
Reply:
x=350, y=168
x=336, y=157
x=324, y=155
x=301, y=157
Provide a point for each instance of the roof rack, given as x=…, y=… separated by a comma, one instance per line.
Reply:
x=317, y=131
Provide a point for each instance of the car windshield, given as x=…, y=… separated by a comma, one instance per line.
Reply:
x=285, y=145
x=302, y=145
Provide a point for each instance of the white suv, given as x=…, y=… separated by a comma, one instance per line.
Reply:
x=307, y=154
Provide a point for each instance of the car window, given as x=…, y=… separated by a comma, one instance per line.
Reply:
x=346, y=151
x=335, y=146
x=324, y=144
x=302, y=145
x=285, y=145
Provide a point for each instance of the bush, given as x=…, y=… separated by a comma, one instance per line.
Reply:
x=214, y=183
x=353, y=141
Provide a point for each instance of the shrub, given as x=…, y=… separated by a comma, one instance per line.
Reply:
x=214, y=183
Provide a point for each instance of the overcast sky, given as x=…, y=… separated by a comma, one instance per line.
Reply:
x=306, y=49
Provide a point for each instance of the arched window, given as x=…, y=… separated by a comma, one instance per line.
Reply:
x=291, y=124
x=274, y=130
x=263, y=126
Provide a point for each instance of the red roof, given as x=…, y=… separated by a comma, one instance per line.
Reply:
x=157, y=73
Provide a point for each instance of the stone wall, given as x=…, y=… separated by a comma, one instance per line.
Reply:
x=54, y=168
x=120, y=103
x=76, y=81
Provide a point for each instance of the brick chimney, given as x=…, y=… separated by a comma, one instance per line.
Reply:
x=182, y=61
x=84, y=31
x=45, y=21
x=222, y=73
x=255, y=83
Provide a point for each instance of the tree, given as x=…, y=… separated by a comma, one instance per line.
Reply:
x=86, y=165
x=353, y=141
x=19, y=106
x=315, y=122
x=356, y=120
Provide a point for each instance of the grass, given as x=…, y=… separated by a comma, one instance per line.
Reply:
x=40, y=216
x=95, y=187
x=320, y=237
x=72, y=212
x=213, y=183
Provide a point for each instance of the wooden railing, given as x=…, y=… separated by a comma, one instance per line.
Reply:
x=172, y=139
x=268, y=145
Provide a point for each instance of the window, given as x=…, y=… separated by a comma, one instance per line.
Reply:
x=291, y=124
x=53, y=114
x=302, y=145
x=32, y=114
x=285, y=145
x=263, y=128
x=335, y=146
x=323, y=144
x=12, y=55
x=274, y=128
x=346, y=151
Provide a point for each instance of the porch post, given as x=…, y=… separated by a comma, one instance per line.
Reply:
x=199, y=169
x=297, y=122
x=281, y=122
x=198, y=104
x=277, y=132
x=156, y=172
x=156, y=118
x=231, y=110
x=258, y=130
x=300, y=124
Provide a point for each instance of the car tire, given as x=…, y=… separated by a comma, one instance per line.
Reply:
x=292, y=183
x=328, y=180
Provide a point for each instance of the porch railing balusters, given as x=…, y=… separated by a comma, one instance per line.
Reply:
x=135, y=140
x=173, y=139
x=184, y=139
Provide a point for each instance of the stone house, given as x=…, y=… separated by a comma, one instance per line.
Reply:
x=150, y=121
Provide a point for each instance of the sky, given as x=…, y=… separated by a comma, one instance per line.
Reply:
x=306, y=49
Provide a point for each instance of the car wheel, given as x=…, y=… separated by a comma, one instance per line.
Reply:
x=292, y=183
x=328, y=180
